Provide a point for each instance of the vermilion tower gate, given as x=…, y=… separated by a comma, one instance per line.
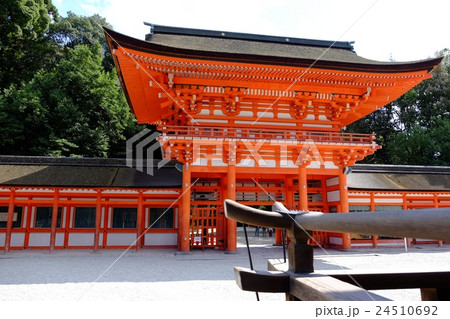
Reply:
x=256, y=118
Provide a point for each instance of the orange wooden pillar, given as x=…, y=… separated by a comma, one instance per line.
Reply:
x=436, y=205
x=405, y=207
x=9, y=221
x=372, y=209
x=54, y=221
x=343, y=194
x=278, y=236
x=98, y=220
x=231, y=194
x=185, y=214
x=289, y=203
x=302, y=189
x=140, y=213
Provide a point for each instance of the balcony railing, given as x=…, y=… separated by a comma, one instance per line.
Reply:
x=258, y=134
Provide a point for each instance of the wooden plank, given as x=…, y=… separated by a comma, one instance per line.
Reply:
x=435, y=294
x=316, y=287
x=375, y=281
x=261, y=281
x=277, y=264
x=416, y=223
x=306, y=287
x=433, y=285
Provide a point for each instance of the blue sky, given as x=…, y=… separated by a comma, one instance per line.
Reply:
x=382, y=29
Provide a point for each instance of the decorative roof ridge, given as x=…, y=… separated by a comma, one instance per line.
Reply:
x=360, y=64
x=161, y=29
x=122, y=162
x=74, y=161
x=400, y=169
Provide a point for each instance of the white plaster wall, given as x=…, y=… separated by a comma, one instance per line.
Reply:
x=332, y=181
x=267, y=163
x=81, y=239
x=359, y=200
x=39, y=239
x=59, y=240
x=388, y=200
x=247, y=162
x=121, y=239
x=333, y=196
x=335, y=240
x=157, y=239
x=17, y=239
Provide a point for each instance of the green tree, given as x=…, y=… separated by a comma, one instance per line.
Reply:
x=71, y=104
x=411, y=129
x=76, y=109
x=382, y=123
x=74, y=30
x=422, y=146
x=23, y=47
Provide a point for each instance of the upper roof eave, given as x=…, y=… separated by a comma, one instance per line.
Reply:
x=362, y=65
x=161, y=29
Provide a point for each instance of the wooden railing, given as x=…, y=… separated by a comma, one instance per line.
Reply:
x=298, y=280
x=266, y=134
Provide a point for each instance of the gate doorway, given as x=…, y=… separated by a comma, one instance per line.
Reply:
x=205, y=227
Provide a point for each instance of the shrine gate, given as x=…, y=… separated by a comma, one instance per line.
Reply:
x=256, y=118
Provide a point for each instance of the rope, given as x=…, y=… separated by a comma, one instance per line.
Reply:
x=249, y=255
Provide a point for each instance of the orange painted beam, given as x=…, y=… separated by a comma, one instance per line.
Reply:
x=185, y=211
x=139, y=222
x=156, y=81
x=98, y=216
x=303, y=188
x=9, y=221
x=54, y=221
x=343, y=195
x=231, y=194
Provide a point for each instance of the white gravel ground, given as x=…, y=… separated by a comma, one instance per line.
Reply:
x=167, y=275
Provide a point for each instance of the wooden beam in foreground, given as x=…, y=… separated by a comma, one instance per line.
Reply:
x=261, y=281
x=416, y=223
x=317, y=287
x=306, y=287
x=434, y=285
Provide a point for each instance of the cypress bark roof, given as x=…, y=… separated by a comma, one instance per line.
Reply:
x=83, y=172
x=101, y=172
x=253, y=48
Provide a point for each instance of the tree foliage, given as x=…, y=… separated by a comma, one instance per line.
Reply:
x=60, y=95
x=414, y=129
x=23, y=48
x=71, y=104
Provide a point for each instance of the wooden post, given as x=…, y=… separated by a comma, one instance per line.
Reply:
x=9, y=221
x=185, y=216
x=289, y=199
x=28, y=223
x=405, y=207
x=54, y=221
x=343, y=193
x=372, y=208
x=231, y=194
x=289, y=183
x=300, y=254
x=98, y=220
x=139, y=217
x=436, y=205
x=278, y=236
x=302, y=189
